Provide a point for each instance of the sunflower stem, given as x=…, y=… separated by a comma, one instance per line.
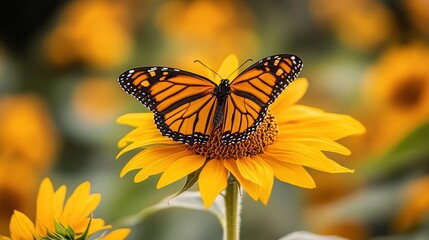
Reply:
x=232, y=211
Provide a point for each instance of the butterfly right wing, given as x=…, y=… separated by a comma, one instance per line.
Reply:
x=183, y=102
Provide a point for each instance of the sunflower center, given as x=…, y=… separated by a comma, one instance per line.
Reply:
x=264, y=135
x=409, y=93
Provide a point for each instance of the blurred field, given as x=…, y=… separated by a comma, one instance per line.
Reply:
x=59, y=98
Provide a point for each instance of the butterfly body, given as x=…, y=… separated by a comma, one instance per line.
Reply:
x=221, y=92
x=188, y=107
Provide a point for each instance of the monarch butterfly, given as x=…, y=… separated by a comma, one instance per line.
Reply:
x=188, y=107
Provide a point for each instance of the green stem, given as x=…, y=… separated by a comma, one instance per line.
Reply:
x=232, y=211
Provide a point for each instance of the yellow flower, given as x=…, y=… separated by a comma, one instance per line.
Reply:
x=95, y=33
x=397, y=93
x=418, y=13
x=415, y=206
x=27, y=132
x=95, y=108
x=360, y=24
x=28, y=146
x=205, y=25
x=290, y=138
x=56, y=219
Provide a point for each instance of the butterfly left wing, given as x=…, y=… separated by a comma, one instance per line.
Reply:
x=182, y=102
x=253, y=91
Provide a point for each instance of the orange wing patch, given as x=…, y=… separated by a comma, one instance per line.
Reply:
x=253, y=91
x=183, y=102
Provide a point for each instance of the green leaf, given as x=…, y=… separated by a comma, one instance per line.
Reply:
x=413, y=149
x=189, y=200
x=191, y=179
x=60, y=233
x=302, y=235
x=85, y=235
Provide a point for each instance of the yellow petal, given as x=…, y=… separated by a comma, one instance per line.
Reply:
x=97, y=224
x=84, y=209
x=315, y=141
x=266, y=190
x=59, y=197
x=254, y=170
x=290, y=173
x=305, y=119
x=21, y=226
x=300, y=154
x=136, y=119
x=45, y=207
x=79, y=204
x=228, y=67
x=141, y=159
x=251, y=188
x=118, y=234
x=268, y=174
x=212, y=180
x=150, y=139
x=159, y=165
x=137, y=134
x=292, y=94
x=180, y=168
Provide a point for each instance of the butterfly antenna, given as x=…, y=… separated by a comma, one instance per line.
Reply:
x=198, y=61
x=248, y=60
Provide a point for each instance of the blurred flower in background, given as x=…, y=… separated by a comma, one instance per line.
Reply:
x=418, y=14
x=28, y=146
x=397, y=93
x=415, y=207
x=94, y=33
x=360, y=24
x=206, y=30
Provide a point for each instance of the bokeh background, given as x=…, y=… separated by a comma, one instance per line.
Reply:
x=59, y=98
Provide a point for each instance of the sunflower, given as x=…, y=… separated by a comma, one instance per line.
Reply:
x=290, y=138
x=74, y=40
x=397, y=92
x=54, y=220
x=359, y=24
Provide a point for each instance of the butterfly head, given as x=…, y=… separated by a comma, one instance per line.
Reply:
x=223, y=89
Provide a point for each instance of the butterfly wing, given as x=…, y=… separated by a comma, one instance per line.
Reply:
x=182, y=102
x=253, y=91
